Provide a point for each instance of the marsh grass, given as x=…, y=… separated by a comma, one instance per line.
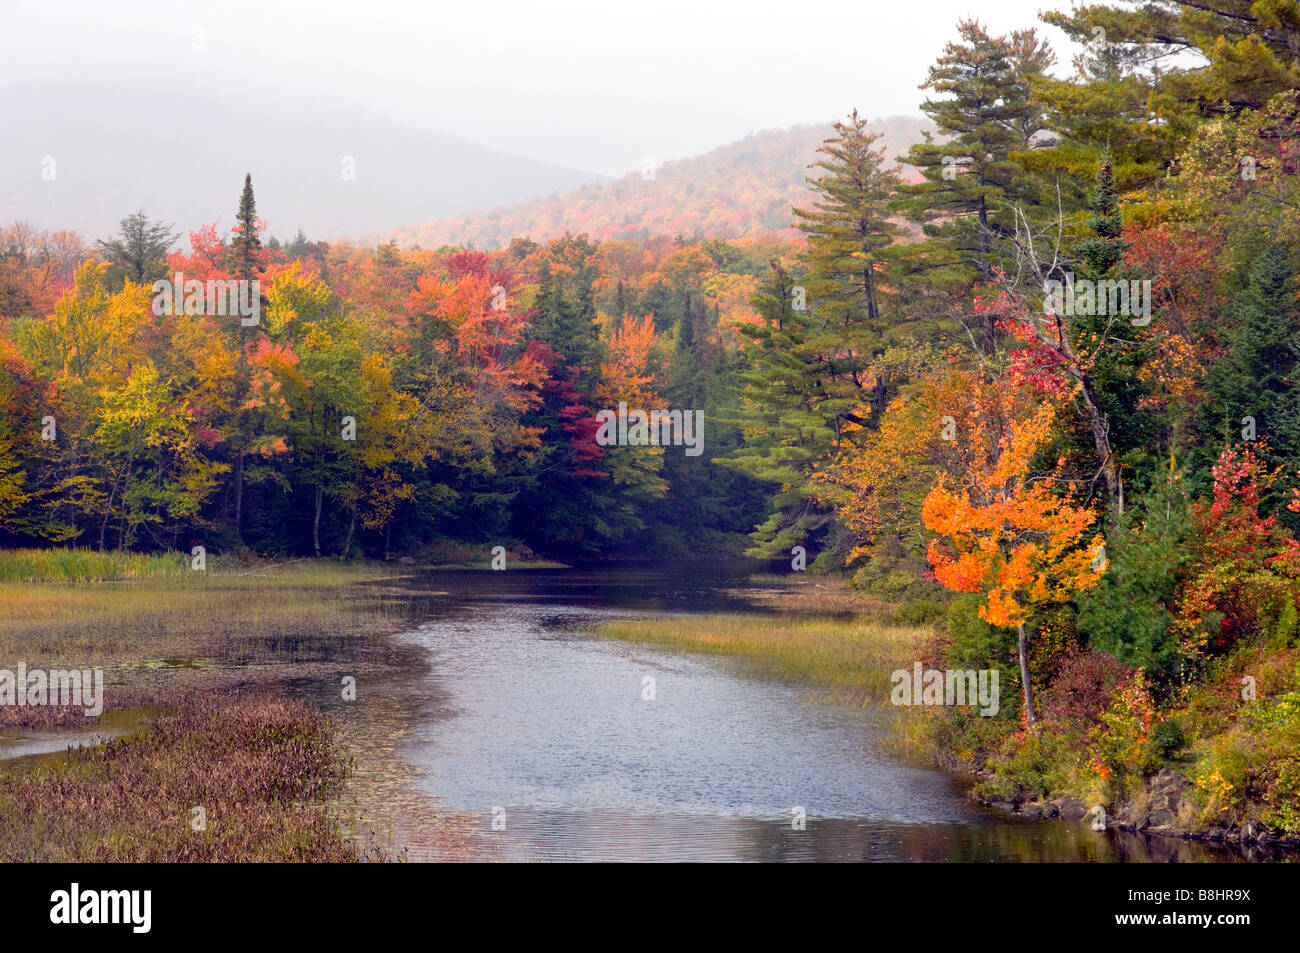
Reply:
x=210, y=655
x=849, y=659
x=262, y=768
x=156, y=635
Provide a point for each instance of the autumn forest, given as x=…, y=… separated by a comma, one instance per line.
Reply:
x=1032, y=388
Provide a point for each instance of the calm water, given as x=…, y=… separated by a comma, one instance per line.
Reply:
x=522, y=715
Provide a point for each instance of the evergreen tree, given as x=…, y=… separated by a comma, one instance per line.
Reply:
x=1255, y=386
x=245, y=257
x=987, y=116
x=246, y=246
x=848, y=229
x=1114, y=347
x=139, y=253
x=787, y=413
x=1252, y=50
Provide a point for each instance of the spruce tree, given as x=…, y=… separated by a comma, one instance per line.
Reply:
x=139, y=252
x=1122, y=432
x=246, y=247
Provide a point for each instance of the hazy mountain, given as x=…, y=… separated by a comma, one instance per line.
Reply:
x=741, y=189
x=182, y=155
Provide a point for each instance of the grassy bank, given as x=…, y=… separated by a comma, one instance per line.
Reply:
x=824, y=638
x=262, y=771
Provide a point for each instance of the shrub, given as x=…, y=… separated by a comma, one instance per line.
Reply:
x=1248, y=566
x=973, y=643
x=1081, y=692
x=1121, y=740
x=1168, y=738
x=1025, y=769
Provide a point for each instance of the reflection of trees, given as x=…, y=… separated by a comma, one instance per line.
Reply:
x=1009, y=840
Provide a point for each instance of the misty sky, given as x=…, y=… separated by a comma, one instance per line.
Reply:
x=594, y=85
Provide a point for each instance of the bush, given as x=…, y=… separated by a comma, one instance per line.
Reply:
x=1121, y=741
x=1026, y=769
x=1075, y=700
x=1168, y=738
x=920, y=612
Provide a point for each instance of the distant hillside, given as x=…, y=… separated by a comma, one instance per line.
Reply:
x=181, y=155
x=739, y=190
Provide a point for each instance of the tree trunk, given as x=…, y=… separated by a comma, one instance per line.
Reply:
x=1024, y=678
x=347, y=543
x=239, y=497
x=1100, y=428
x=315, y=523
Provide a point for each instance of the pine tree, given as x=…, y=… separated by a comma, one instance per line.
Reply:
x=848, y=229
x=989, y=113
x=1252, y=49
x=787, y=416
x=246, y=247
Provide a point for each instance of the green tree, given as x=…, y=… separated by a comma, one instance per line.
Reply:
x=848, y=229
x=1255, y=387
x=1244, y=52
x=246, y=247
x=789, y=412
x=988, y=113
x=139, y=252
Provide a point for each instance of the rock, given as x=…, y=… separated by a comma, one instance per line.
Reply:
x=1163, y=804
x=1071, y=808
x=1162, y=818
x=1032, y=810
x=406, y=560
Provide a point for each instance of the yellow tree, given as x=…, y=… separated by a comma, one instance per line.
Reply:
x=1004, y=531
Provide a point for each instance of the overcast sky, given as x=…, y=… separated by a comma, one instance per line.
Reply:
x=597, y=85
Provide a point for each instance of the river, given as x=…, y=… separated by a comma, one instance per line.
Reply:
x=542, y=741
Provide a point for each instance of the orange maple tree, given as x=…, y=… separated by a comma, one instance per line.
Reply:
x=1004, y=532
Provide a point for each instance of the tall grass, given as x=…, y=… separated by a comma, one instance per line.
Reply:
x=86, y=565
x=851, y=659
